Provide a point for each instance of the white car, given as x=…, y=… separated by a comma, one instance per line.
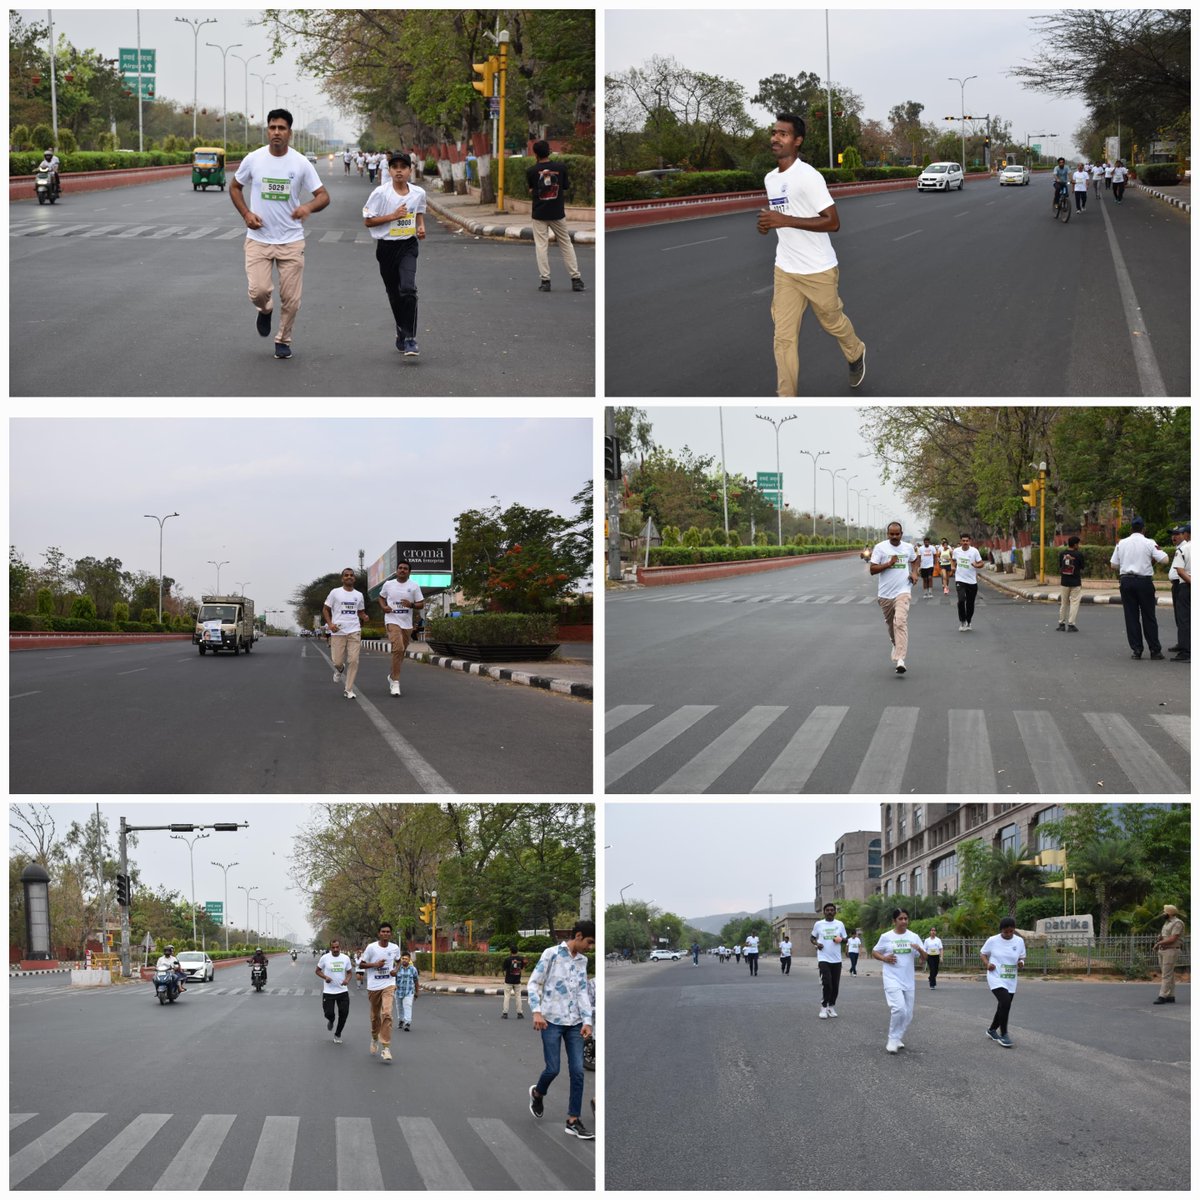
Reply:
x=940, y=177
x=655, y=955
x=197, y=965
x=1014, y=173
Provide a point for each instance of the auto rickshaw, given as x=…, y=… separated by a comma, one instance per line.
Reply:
x=208, y=167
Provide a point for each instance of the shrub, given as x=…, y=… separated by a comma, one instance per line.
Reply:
x=735, y=538
x=121, y=611
x=704, y=183
x=1160, y=173
x=670, y=535
x=18, y=137
x=42, y=138
x=71, y=624
x=851, y=157
x=134, y=627
x=85, y=607
x=619, y=188
x=692, y=537
x=149, y=616
x=494, y=629
x=66, y=141
x=718, y=538
x=45, y=602
x=760, y=538
x=20, y=621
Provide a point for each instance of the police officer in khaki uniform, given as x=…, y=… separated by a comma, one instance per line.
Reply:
x=1168, y=947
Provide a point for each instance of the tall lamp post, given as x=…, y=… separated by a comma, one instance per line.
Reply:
x=778, y=423
x=224, y=75
x=818, y=455
x=962, y=109
x=848, y=482
x=191, y=842
x=243, y=888
x=225, y=920
x=241, y=586
x=161, y=522
x=262, y=79
x=833, y=492
x=246, y=111
x=195, y=27
x=223, y=563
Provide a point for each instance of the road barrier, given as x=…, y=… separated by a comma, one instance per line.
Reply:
x=699, y=572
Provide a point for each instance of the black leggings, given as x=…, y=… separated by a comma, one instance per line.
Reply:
x=1118, y=191
x=934, y=961
x=397, y=258
x=1004, y=999
x=966, y=600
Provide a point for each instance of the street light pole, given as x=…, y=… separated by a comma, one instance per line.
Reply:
x=225, y=910
x=243, y=888
x=833, y=492
x=241, y=586
x=161, y=522
x=223, y=563
x=246, y=111
x=191, y=842
x=962, y=109
x=262, y=79
x=224, y=74
x=777, y=424
x=195, y=26
x=819, y=454
x=850, y=479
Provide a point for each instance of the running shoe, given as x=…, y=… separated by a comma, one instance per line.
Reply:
x=337, y=1041
x=350, y=695
x=577, y=286
x=337, y=674
x=1006, y=1041
x=374, y=1046
x=1072, y=628
x=824, y=1013
x=263, y=324
x=900, y=667
x=535, y=1102
x=858, y=369
x=283, y=350
x=1060, y=626
x=394, y=687
x=544, y=285
x=832, y=1011
x=893, y=1047
x=993, y=1035
x=410, y=348
x=577, y=1129
x=385, y=1055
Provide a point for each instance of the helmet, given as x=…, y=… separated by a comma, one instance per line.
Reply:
x=170, y=950
x=257, y=949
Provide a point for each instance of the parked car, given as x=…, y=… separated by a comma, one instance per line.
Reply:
x=1014, y=173
x=655, y=955
x=197, y=965
x=940, y=177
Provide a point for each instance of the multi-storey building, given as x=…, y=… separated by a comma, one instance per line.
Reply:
x=852, y=871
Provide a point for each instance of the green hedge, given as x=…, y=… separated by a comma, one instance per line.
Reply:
x=619, y=188
x=99, y=160
x=581, y=176
x=479, y=962
x=681, y=556
x=493, y=629
x=1160, y=173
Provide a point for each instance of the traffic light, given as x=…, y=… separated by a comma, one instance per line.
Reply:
x=1031, y=494
x=612, y=457
x=427, y=913
x=123, y=891
x=487, y=72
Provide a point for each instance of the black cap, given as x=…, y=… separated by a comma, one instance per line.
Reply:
x=1137, y=523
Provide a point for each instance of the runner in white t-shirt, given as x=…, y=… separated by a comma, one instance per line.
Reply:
x=803, y=214
x=751, y=952
x=335, y=968
x=828, y=936
x=344, y=610
x=382, y=960
x=928, y=552
x=966, y=582
x=1003, y=955
x=1120, y=174
x=898, y=950
x=276, y=175
x=400, y=599
x=893, y=562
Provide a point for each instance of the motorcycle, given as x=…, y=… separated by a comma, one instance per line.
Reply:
x=258, y=976
x=293, y=956
x=47, y=185
x=166, y=986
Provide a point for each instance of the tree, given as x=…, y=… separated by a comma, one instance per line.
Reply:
x=907, y=130
x=84, y=607
x=1010, y=875
x=19, y=575
x=102, y=580
x=633, y=430
x=1113, y=872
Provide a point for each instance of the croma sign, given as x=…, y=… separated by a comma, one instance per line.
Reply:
x=430, y=562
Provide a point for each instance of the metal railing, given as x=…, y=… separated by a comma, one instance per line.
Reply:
x=1113, y=956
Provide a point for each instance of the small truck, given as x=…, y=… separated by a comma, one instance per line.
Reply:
x=224, y=623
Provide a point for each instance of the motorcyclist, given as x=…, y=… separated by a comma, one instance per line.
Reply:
x=259, y=958
x=50, y=161
x=168, y=961
x=293, y=956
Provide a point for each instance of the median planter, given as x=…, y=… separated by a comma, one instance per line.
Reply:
x=494, y=637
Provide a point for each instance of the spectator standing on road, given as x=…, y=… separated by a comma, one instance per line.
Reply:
x=344, y=611
x=381, y=958
x=893, y=561
x=1134, y=559
x=548, y=185
x=1070, y=569
x=1180, y=576
x=395, y=215
x=827, y=936
x=752, y=952
x=695, y=953
x=400, y=599
x=933, y=955
x=966, y=583
x=1108, y=174
x=1003, y=955
x=335, y=969
x=895, y=949
x=562, y=1014
x=785, y=956
x=276, y=175
x=1120, y=174
x=803, y=214
x=853, y=949
x=927, y=551
x=408, y=988
x=514, y=964
x=1168, y=947
x=1080, y=180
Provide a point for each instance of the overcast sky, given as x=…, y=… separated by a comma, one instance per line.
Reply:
x=181, y=66
x=262, y=852
x=697, y=859
x=750, y=448
x=888, y=56
x=283, y=500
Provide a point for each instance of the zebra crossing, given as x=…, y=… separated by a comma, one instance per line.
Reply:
x=184, y=233
x=170, y=1151
x=780, y=748
x=833, y=599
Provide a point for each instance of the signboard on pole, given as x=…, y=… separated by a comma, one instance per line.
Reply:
x=131, y=82
x=215, y=909
x=128, y=63
x=769, y=481
x=430, y=563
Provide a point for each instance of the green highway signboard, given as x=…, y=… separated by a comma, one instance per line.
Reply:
x=770, y=481
x=131, y=82
x=129, y=60
x=214, y=908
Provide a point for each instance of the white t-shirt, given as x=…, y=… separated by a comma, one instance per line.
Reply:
x=338, y=967
x=752, y=944
x=1004, y=952
x=933, y=945
x=895, y=581
x=926, y=553
x=785, y=949
x=385, y=199
x=379, y=961
x=167, y=963
x=903, y=974
x=854, y=945
x=1081, y=180
x=1119, y=174
x=272, y=186
x=345, y=607
x=964, y=564
x=1097, y=172
x=393, y=592
x=827, y=949
x=737, y=949
x=800, y=191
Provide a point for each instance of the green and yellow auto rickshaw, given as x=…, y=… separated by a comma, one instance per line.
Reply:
x=208, y=167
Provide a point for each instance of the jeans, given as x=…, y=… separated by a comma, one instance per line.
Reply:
x=551, y=1050
x=785, y=964
x=1004, y=999
x=406, y=1003
x=853, y=963
x=340, y=1001
x=966, y=600
x=831, y=974
x=397, y=259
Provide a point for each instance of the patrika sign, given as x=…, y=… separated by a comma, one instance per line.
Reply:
x=1069, y=931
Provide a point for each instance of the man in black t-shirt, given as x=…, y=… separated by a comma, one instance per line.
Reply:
x=548, y=185
x=1070, y=566
x=514, y=964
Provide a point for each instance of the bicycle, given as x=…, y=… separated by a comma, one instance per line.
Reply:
x=1062, y=206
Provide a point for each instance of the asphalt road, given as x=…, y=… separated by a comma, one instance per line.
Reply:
x=241, y=1090
x=971, y=293
x=783, y=682
x=141, y=291
x=163, y=718
x=749, y=1089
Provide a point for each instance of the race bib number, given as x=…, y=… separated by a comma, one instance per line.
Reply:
x=405, y=227
x=382, y=972
x=276, y=189
x=901, y=947
x=1008, y=972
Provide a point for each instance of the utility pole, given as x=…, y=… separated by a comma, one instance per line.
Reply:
x=243, y=888
x=962, y=107
x=191, y=842
x=613, y=495
x=818, y=455
x=246, y=111
x=778, y=424
x=161, y=522
x=195, y=27
x=224, y=75
x=724, y=489
x=225, y=907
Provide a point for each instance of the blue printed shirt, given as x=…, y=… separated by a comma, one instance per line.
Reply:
x=406, y=980
x=558, y=987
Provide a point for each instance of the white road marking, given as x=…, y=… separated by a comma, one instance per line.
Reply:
x=970, y=767
x=357, y=1155
x=907, y=235
x=134, y=671
x=887, y=755
x=685, y=245
x=1137, y=758
x=432, y=1157
x=520, y=1163
x=633, y=754
x=104, y=1166
x=271, y=1169
x=799, y=758
x=186, y=1171
x=703, y=770
x=20, y=695
x=42, y=1150
x=1046, y=749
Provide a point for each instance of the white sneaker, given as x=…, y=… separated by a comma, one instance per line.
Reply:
x=337, y=1041
x=350, y=695
x=900, y=1045
x=386, y=1054
x=968, y=626
x=892, y=1047
x=394, y=685
x=832, y=1011
x=900, y=667
x=374, y=1046
x=823, y=1013
x=962, y=627
x=337, y=675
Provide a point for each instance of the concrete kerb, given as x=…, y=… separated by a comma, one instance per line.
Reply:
x=449, y=208
x=1177, y=200
x=1030, y=593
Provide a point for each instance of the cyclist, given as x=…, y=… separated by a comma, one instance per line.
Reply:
x=1061, y=178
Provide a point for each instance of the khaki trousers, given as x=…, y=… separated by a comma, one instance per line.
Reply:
x=399, y=638
x=541, y=247
x=895, y=616
x=1166, y=964
x=513, y=990
x=344, y=648
x=1068, y=604
x=289, y=258
x=793, y=294
x=381, y=1001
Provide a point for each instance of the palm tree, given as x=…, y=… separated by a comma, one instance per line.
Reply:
x=1112, y=871
x=1008, y=874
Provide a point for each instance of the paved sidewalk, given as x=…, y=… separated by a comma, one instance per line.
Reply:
x=1095, y=591
x=483, y=220
x=1180, y=195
